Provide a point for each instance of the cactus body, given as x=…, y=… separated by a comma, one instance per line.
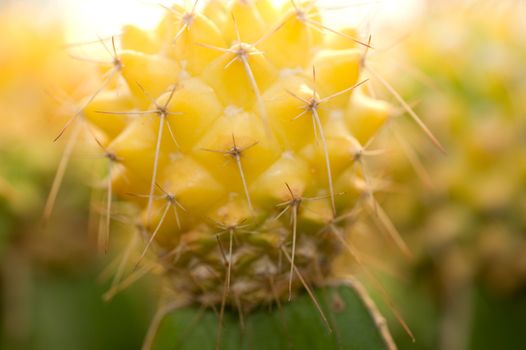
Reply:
x=235, y=133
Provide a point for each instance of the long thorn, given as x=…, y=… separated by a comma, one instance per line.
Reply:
x=109, y=197
x=154, y=234
x=408, y=108
x=179, y=33
x=368, y=184
x=127, y=113
x=328, y=98
x=217, y=48
x=92, y=97
x=128, y=281
x=391, y=229
x=379, y=286
x=301, y=114
x=415, y=161
x=172, y=135
x=255, y=89
x=324, y=27
x=375, y=313
x=244, y=181
x=294, y=236
x=160, y=314
x=230, y=251
x=125, y=258
x=309, y=291
x=155, y=166
x=177, y=218
x=327, y=161
x=59, y=175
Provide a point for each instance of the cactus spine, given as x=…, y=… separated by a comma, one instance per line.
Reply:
x=237, y=131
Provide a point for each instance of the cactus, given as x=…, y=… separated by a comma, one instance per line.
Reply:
x=481, y=121
x=47, y=272
x=468, y=79
x=35, y=69
x=236, y=131
x=37, y=92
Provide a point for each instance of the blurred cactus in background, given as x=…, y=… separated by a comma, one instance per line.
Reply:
x=48, y=294
x=465, y=220
x=477, y=105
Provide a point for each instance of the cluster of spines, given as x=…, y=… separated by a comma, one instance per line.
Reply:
x=159, y=94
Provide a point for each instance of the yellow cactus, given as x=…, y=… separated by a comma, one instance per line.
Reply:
x=475, y=104
x=36, y=72
x=235, y=131
x=35, y=68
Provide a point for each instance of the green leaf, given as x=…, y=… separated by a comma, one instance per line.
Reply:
x=296, y=325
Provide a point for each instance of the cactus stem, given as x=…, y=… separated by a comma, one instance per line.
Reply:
x=217, y=277
x=194, y=322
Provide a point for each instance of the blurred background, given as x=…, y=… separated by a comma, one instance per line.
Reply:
x=459, y=64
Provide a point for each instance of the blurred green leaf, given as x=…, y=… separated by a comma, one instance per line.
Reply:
x=499, y=321
x=64, y=310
